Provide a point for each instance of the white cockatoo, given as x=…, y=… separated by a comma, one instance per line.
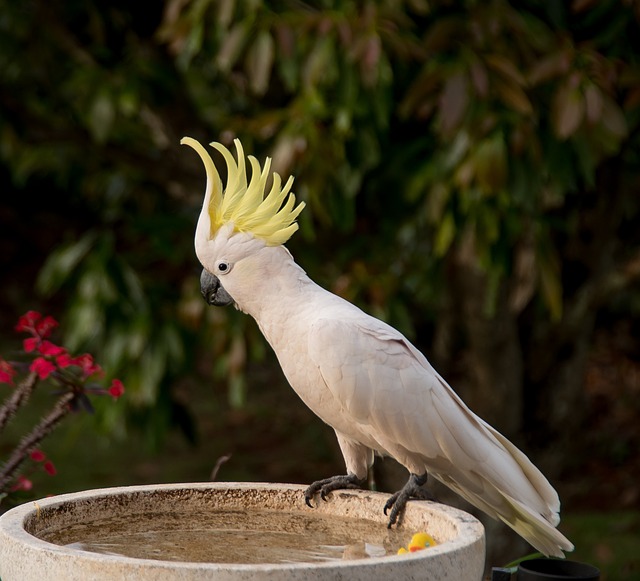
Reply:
x=358, y=374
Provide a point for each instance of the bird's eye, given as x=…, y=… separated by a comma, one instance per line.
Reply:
x=223, y=267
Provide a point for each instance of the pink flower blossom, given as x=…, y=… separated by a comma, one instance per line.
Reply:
x=6, y=372
x=49, y=468
x=116, y=389
x=42, y=367
x=22, y=483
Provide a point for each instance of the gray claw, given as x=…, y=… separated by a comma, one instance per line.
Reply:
x=412, y=490
x=324, y=487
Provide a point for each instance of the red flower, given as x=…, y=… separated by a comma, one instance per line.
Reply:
x=116, y=389
x=48, y=348
x=38, y=455
x=86, y=363
x=22, y=483
x=30, y=344
x=6, y=372
x=28, y=321
x=49, y=468
x=32, y=322
x=45, y=326
x=65, y=360
x=42, y=367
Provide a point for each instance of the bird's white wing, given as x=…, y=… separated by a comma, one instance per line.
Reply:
x=392, y=394
x=385, y=384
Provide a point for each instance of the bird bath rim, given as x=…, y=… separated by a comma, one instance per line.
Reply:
x=461, y=533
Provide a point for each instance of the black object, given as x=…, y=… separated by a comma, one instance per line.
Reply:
x=501, y=574
x=556, y=569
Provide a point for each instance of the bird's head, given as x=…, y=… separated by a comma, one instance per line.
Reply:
x=239, y=221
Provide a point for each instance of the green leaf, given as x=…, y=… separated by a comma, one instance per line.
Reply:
x=550, y=283
x=102, y=114
x=260, y=62
x=549, y=67
x=152, y=367
x=492, y=291
x=505, y=68
x=613, y=119
x=479, y=78
x=237, y=393
x=513, y=96
x=133, y=287
x=453, y=101
x=232, y=46
x=96, y=285
x=192, y=44
x=445, y=234
x=490, y=163
x=420, y=95
x=225, y=12
x=61, y=262
x=567, y=110
x=436, y=202
x=593, y=99
x=320, y=66
x=84, y=321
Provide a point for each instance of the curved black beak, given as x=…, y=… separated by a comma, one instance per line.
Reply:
x=212, y=291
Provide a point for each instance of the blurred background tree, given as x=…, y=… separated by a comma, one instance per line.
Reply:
x=471, y=171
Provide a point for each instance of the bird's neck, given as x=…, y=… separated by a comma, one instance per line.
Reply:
x=274, y=286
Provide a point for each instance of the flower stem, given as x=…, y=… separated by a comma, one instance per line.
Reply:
x=18, y=398
x=44, y=428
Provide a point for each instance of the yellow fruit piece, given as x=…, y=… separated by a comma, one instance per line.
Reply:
x=418, y=542
x=421, y=541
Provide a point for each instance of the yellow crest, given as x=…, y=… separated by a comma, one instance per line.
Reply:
x=245, y=205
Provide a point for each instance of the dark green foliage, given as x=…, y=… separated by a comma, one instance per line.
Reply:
x=432, y=141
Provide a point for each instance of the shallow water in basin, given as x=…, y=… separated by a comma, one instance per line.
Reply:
x=232, y=536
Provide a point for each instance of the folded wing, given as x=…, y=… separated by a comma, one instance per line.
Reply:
x=393, y=396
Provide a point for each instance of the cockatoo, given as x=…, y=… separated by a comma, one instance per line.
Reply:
x=357, y=373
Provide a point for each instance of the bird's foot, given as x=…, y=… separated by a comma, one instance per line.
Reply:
x=324, y=487
x=412, y=490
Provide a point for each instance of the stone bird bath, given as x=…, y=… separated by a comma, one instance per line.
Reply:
x=231, y=532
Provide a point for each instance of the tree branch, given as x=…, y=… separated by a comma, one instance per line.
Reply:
x=18, y=398
x=42, y=430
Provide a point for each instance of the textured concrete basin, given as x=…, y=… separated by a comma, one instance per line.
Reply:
x=174, y=531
